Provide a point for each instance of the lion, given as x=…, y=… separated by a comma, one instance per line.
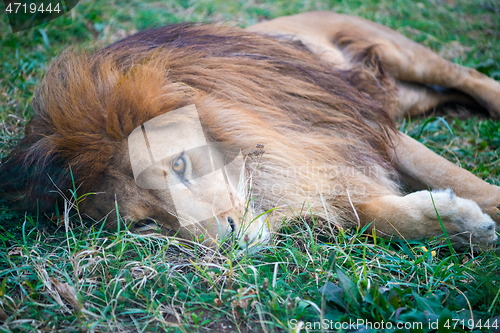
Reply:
x=208, y=131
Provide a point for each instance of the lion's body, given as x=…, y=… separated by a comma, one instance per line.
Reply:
x=331, y=148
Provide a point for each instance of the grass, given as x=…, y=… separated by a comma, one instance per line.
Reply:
x=70, y=277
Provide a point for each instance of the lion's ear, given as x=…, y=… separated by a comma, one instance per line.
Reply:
x=30, y=179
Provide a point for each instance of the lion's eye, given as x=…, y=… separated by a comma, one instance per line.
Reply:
x=179, y=166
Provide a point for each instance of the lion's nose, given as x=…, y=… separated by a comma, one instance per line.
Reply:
x=231, y=224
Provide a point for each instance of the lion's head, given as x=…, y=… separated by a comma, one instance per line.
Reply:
x=100, y=127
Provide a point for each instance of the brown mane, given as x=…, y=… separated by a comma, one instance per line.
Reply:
x=88, y=104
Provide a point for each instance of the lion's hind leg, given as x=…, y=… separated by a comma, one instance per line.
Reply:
x=414, y=216
x=415, y=68
x=346, y=40
x=415, y=99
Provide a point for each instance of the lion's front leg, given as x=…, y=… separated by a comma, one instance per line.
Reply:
x=414, y=217
x=421, y=168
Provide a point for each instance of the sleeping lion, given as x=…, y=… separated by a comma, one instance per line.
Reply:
x=209, y=132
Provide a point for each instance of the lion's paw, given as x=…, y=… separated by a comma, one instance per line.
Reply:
x=464, y=220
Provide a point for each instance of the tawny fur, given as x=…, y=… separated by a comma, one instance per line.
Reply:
x=248, y=89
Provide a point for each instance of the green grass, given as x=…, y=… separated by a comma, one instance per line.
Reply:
x=71, y=277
